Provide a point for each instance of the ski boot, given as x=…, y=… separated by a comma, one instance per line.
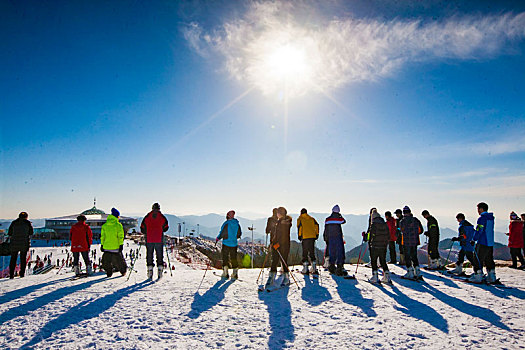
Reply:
x=491, y=276
x=386, y=278
x=160, y=270
x=458, y=270
x=225, y=274
x=331, y=268
x=477, y=277
x=286, y=279
x=271, y=279
x=375, y=278
x=150, y=272
x=417, y=273
x=314, y=268
x=305, y=268
x=235, y=274
x=76, y=269
x=340, y=271
x=410, y=273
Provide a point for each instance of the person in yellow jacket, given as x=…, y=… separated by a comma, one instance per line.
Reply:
x=308, y=232
x=112, y=243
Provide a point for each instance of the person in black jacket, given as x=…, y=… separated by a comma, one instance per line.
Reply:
x=20, y=232
x=379, y=238
x=433, y=240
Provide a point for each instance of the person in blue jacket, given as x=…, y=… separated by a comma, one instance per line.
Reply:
x=484, y=252
x=230, y=233
x=465, y=235
x=333, y=236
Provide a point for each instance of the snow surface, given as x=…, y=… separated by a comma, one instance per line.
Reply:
x=51, y=311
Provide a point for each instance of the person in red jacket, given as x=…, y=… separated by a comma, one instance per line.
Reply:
x=81, y=239
x=153, y=227
x=392, y=229
x=516, y=240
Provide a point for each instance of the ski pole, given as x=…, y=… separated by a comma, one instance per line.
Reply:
x=202, y=280
x=133, y=265
x=263, y=265
x=446, y=263
x=63, y=264
x=360, y=251
x=366, y=249
x=287, y=268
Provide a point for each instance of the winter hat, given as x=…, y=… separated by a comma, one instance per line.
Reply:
x=115, y=212
x=406, y=210
x=230, y=214
x=23, y=215
x=375, y=214
x=155, y=206
x=336, y=209
x=398, y=211
x=513, y=216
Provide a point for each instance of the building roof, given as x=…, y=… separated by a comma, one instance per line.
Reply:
x=93, y=211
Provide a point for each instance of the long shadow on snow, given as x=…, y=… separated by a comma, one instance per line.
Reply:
x=209, y=299
x=352, y=295
x=440, y=278
x=280, y=318
x=313, y=293
x=45, y=299
x=468, y=309
x=18, y=293
x=85, y=310
x=416, y=309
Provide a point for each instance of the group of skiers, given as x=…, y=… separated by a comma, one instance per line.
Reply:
x=382, y=236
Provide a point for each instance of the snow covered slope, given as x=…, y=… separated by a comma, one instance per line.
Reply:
x=53, y=312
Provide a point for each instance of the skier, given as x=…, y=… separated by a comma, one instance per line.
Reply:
x=366, y=235
x=379, y=238
x=280, y=247
x=308, y=232
x=484, y=236
x=391, y=222
x=153, y=227
x=465, y=234
x=411, y=228
x=399, y=241
x=523, y=220
x=20, y=232
x=433, y=240
x=333, y=236
x=516, y=241
x=230, y=232
x=81, y=239
x=271, y=223
x=112, y=243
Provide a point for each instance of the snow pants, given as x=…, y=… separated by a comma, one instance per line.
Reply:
x=392, y=250
x=76, y=257
x=433, y=242
x=157, y=248
x=276, y=258
x=23, y=262
x=336, y=250
x=469, y=255
x=515, y=253
x=113, y=261
x=378, y=253
x=308, y=249
x=411, y=256
x=229, y=256
x=485, y=256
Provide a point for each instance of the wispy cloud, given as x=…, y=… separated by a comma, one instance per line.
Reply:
x=341, y=50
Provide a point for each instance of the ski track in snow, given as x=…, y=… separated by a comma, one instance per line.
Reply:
x=51, y=311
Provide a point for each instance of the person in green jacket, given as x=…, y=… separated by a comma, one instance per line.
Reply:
x=112, y=243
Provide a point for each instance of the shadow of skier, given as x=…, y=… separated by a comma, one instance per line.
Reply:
x=209, y=299
x=440, y=278
x=466, y=308
x=85, y=310
x=280, y=318
x=45, y=299
x=313, y=293
x=351, y=295
x=416, y=309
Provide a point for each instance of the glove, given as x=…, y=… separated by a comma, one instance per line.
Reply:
x=365, y=238
x=472, y=243
x=276, y=246
x=102, y=249
x=121, y=248
x=455, y=239
x=216, y=240
x=425, y=233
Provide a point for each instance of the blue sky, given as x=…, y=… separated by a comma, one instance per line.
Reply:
x=208, y=106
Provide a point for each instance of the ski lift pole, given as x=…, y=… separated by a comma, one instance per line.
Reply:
x=286, y=265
